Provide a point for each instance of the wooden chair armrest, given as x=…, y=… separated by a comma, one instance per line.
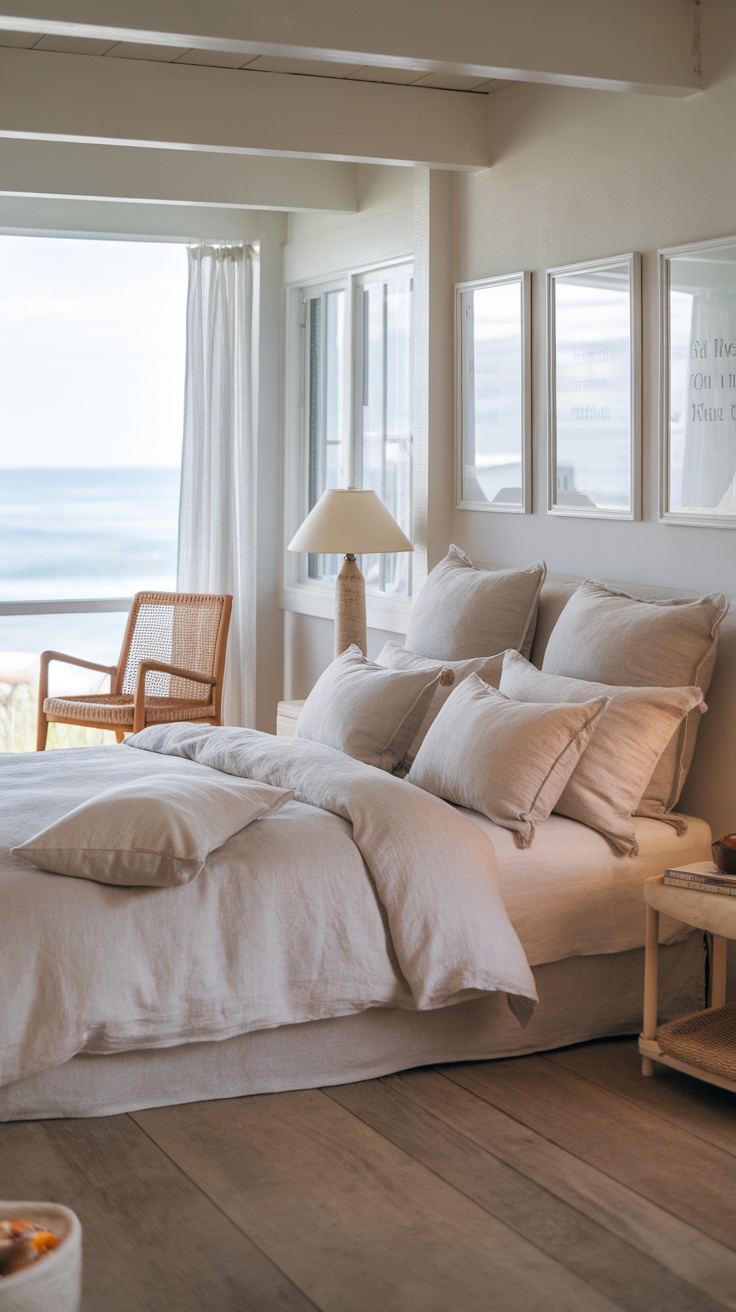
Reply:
x=139, y=707
x=48, y=656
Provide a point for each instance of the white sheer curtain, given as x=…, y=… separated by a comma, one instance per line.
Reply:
x=217, y=508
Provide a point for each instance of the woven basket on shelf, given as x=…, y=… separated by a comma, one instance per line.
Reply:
x=706, y=1039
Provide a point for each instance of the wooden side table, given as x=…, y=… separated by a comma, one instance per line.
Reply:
x=287, y=714
x=716, y=914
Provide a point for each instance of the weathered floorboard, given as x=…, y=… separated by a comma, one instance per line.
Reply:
x=152, y=1242
x=668, y=1165
x=702, y=1109
x=355, y=1222
x=449, y=1135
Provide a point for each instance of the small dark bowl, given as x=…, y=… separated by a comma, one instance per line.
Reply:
x=724, y=854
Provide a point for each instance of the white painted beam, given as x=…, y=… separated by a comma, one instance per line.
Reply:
x=140, y=103
x=639, y=45
x=175, y=177
x=36, y=215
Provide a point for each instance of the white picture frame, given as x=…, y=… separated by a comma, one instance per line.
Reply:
x=594, y=388
x=697, y=296
x=493, y=394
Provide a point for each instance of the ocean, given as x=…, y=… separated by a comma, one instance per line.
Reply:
x=82, y=533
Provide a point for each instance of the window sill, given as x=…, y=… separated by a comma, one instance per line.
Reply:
x=385, y=613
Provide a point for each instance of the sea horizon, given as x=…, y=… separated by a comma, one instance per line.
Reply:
x=78, y=533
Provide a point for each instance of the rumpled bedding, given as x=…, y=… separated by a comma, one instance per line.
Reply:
x=362, y=892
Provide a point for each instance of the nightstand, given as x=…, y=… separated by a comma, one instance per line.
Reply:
x=287, y=714
x=703, y=1044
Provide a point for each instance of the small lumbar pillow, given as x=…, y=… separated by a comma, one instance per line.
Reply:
x=607, y=784
x=462, y=612
x=365, y=710
x=509, y=760
x=612, y=637
x=156, y=831
x=450, y=673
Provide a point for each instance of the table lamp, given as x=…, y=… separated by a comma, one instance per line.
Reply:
x=349, y=521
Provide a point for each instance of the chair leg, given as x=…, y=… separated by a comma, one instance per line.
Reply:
x=42, y=730
x=120, y=734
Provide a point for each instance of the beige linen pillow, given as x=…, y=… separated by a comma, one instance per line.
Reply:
x=462, y=612
x=509, y=760
x=365, y=710
x=157, y=830
x=614, y=638
x=395, y=657
x=606, y=785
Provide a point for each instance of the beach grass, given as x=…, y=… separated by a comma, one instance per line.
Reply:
x=18, y=705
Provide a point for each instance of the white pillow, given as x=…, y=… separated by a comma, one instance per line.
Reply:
x=607, y=784
x=395, y=657
x=365, y=710
x=509, y=760
x=462, y=612
x=157, y=830
x=612, y=637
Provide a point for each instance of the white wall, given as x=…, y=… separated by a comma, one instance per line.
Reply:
x=580, y=175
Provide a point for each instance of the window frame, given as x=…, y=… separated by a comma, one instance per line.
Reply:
x=298, y=593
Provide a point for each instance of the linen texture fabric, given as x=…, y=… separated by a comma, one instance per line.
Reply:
x=365, y=710
x=613, y=637
x=463, y=612
x=608, y=781
x=152, y=831
x=450, y=673
x=508, y=760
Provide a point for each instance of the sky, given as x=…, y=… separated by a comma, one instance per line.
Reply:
x=92, y=341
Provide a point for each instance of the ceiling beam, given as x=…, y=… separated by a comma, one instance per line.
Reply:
x=637, y=45
x=140, y=103
x=175, y=177
x=38, y=216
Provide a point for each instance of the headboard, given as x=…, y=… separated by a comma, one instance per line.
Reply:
x=710, y=790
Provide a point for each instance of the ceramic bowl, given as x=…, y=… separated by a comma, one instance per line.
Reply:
x=53, y=1284
x=724, y=854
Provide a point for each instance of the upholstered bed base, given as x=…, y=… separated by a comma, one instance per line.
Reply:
x=580, y=998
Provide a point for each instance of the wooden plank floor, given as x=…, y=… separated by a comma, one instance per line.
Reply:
x=563, y=1181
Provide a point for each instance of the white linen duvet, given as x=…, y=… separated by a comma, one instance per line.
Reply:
x=362, y=892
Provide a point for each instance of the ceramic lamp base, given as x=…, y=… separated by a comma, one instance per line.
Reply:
x=350, y=607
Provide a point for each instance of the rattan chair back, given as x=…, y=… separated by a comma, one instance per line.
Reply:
x=176, y=628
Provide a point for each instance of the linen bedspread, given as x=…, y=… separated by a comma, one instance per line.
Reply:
x=362, y=892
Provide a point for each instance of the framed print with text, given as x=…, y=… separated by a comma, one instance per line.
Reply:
x=698, y=373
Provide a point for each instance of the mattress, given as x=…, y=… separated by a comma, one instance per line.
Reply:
x=570, y=894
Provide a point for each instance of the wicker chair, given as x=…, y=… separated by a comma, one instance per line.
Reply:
x=170, y=668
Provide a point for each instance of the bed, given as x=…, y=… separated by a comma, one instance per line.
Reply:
x=424, y=949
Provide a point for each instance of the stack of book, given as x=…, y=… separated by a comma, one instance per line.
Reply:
x=702, y=876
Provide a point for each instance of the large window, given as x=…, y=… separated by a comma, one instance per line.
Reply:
x=92, y=342
x=356, y=427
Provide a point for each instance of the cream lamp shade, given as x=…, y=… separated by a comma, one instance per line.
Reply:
x=349, y=521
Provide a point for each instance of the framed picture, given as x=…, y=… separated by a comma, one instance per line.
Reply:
x=493, y=441
x=594, y=388
x=698, y=376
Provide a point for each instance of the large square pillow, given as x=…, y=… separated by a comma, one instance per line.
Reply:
x=450, y=673
x=156, y=831
x=509, y=760
x=365, y=710
x=462, y=612
x=608, y=781
x=611, y=637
